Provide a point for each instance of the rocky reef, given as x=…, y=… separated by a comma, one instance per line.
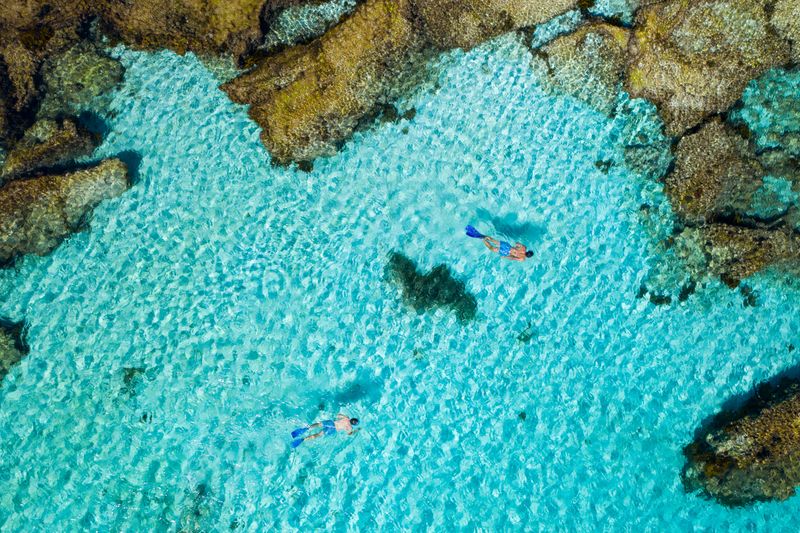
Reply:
x=588, y=64
x=694, y=58
x=36, y=214
x=310, y=98
x=12, y=345
x=47, y=144
x=750, y=452
x=438, y=288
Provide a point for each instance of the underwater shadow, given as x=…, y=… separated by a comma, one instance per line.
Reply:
x=511, y=227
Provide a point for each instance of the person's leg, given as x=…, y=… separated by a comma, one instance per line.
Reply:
x=315, y=435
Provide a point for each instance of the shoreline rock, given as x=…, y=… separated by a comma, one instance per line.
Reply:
x=47, y=144
x=694, y=58
x=37, y=214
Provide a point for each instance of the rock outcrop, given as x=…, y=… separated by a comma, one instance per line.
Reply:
x=310, y=98
x=205, y=27
x=716, y=174
x=588, y=64
x=751, y=453
x=12, y=345
x=786, y=20
x=694, y=58
x=74, y=80
x=37, y=214
x=47, y=144
x=437, y=288
x=736, y=252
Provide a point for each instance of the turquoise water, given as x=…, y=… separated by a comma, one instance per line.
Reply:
x=253, y=297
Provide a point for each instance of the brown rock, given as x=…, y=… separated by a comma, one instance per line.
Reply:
x=466, y=23
x=310, y=97
x=588, y=64
x=715, y=174
x=205, y=27
x=46, y=144
x=786, y=19
x=751, y=454
x=693, y=58
x=37, y=214
x=734, y=253
x=12, y=345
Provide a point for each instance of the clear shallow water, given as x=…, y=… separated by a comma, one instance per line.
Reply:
x=254, y=297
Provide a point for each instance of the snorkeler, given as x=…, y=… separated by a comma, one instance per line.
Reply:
x=329, y=427
x=518, y=252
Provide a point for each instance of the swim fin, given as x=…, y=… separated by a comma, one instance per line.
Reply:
x=297, y=442
x=299, y=431
x=472, y=232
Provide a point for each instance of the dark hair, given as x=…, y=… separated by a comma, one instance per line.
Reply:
x=529, y=253
x=354, y=421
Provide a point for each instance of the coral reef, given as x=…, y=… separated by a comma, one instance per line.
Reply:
x=715, y=174
x=694, y=58
x=588, y=64
x=47, y=144
x=36, y=214
x=750, y=453
x=437, y=288
x=12, y=345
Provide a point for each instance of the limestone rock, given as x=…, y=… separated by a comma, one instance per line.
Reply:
x=752, y=453
x=74, y=79
x=715, y=174
x=36, y=214
x=588, y=64
x=46, y=144
x=693, y=58
x=12, y=345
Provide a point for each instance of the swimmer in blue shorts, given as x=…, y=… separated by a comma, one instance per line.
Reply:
x=518, y=252
x=329, y=427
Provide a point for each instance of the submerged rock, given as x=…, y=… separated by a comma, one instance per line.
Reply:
x=588, y=64
x=751, y=453
x=716, y=174
x=47, y=144
x=301, y=23
x=12, y=345
x=73, y=80
x=734, y=252
x=437, y=288
x=310, y=98
x=37, y=214
x=694, y=58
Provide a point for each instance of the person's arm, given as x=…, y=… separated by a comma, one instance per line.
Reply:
x=353, y=431
x=512, y=258
x=340, y=416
